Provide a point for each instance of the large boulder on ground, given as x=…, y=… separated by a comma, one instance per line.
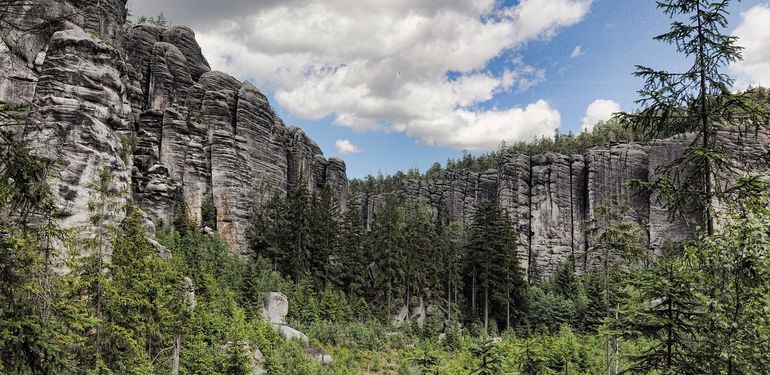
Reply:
x=290, y=333
x=275, y=308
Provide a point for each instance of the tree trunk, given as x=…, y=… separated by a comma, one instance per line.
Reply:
x=177, y=353
x=486, y=309
x=508, y=310
x=704, y=120
x=449, y=299
x=473, y=292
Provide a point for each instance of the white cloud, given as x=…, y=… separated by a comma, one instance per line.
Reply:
x=754, y=35
x=599, y=110
x=344, y=146
x=484, y=130
x=577, y=52
x=377, y=65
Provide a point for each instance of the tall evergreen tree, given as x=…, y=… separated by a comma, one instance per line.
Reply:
x=324, y=241
x=31, y=324
x=491, y=262
x=697, y=101
x=419, y=261
x=451, y=240
x=388, y=245
x=353, y=257
x=104, y=205
x=662, y=307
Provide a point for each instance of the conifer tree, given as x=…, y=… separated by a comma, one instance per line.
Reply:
x=103, y=205
x=491, y=261
x=387, y=243
x=145, y=298
x=663, y=307
x=451, y=240
x=565, y=282
x=698, y=101
x=325, y=239
x=353, y=258
x=419, y=260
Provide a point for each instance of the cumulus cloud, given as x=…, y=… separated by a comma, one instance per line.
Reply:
x=599, y=110
x=577, y=52
x=754, y=36
x=344, y=146
x=414, y=66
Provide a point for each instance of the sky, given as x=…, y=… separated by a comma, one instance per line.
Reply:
x=390, y=85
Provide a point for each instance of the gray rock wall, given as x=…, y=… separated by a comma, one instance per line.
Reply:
x=551, y=199
x=143, y=103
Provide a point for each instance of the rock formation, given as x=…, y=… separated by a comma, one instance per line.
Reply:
x=142, y=103
x=179, y=139
x=274, y=311
x=551, y=198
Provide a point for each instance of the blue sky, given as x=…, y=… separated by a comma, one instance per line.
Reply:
x=363, y=85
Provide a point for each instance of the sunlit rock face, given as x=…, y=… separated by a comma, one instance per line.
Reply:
x=143, y=103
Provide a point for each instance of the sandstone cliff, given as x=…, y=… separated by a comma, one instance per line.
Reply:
x=143, y=103
x=552, y=198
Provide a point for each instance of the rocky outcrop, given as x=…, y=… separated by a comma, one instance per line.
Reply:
x=274, y=310
x=552, y=198
x=82, y=118
x=415, y=311
x=143, y=104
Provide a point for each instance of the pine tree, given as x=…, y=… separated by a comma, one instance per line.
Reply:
x=30, y=322
x=565, y=283
x=696, y=101
x=353, y=257
x=490, y=358
x=103, y=205
x=732, y=272
x=387, y=243
x=491, y=262
x=451, y=240
x=144, y=303
x=663, y=307
x=324, y=241
x=419, y=266
x=617, y=243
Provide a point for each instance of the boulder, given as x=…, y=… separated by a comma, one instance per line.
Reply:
x=290, y=333
x=275, y=308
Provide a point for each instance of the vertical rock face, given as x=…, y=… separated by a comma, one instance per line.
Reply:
x=608, y=171
x=514, y=196
x=82, y=118
x=144, y=104
x=552, y=198
x=551, y=210
x=663, y=227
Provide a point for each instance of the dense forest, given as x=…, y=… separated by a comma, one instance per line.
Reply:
x=408, y=293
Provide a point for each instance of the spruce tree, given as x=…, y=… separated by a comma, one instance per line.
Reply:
x=353, y=257
x=663, y=307
x=696, y=101
x=388, y=245
x=324, y=241
x=491, y=263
